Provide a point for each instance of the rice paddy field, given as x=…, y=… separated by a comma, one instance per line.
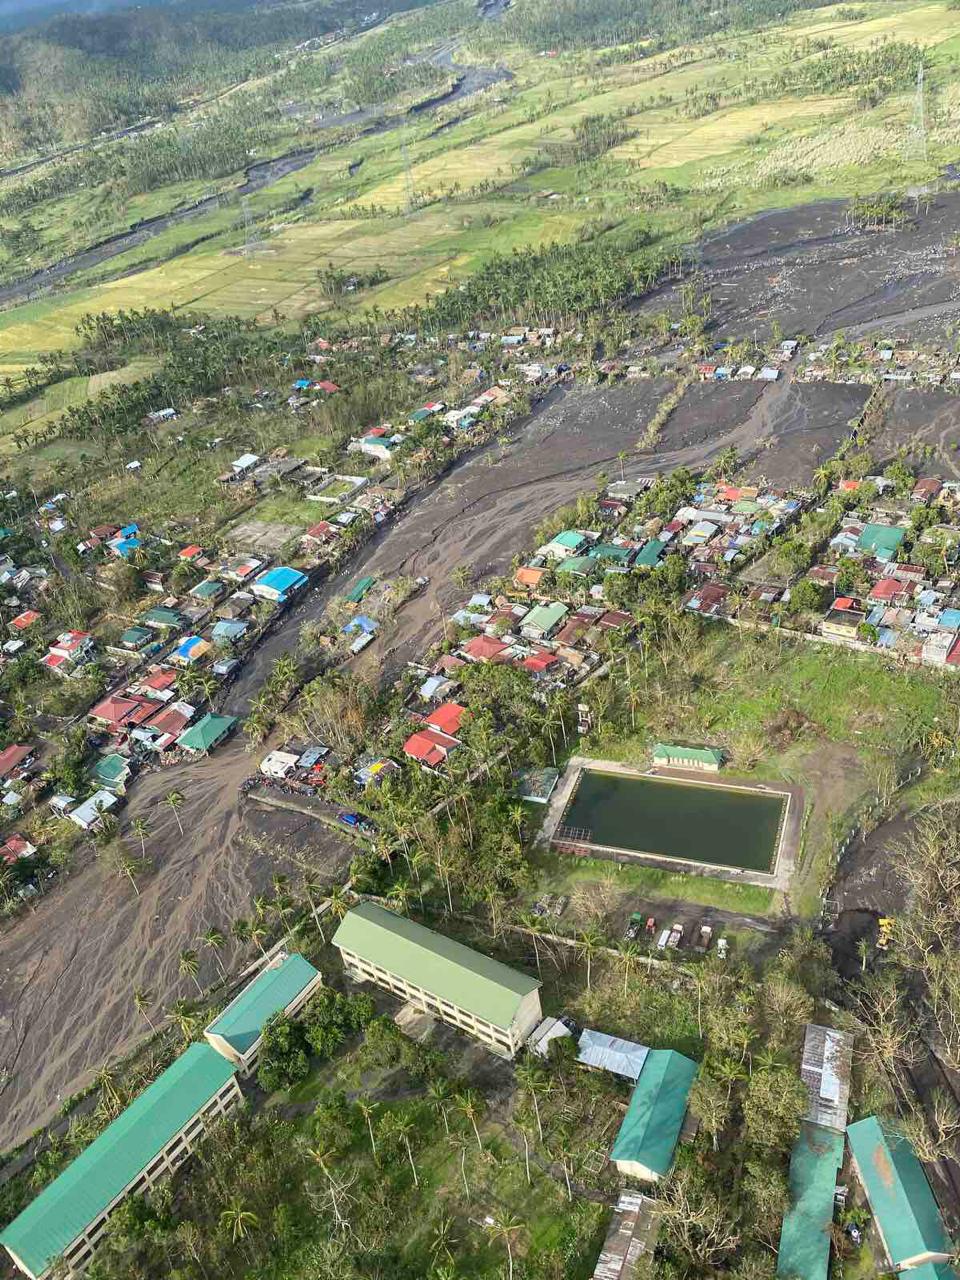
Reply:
x=441, y=192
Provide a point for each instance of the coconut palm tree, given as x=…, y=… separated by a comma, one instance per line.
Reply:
x=533, y=1081
x=505, y=1228
x=368, y=1110
x=471, y=1106
x=188, y=966
x=184, y=1015
x=402, y=1126
x=143, y=999
x=443, y=1239
x=629, y=956
x=173, y=800
x=238, y=1221
x=213, y=940
x=589, y=943
x=240, y=930
x=141, y=829
x=441, y=1094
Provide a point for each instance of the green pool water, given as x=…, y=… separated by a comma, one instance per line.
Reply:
x=676, y=819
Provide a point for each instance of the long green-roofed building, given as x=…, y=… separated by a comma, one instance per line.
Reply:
x=283, y=986
x=146, y=1142
x=805, y=1237
x=491, y=1001
x=673, y=756
x=650, y=1131
x=904, y=1210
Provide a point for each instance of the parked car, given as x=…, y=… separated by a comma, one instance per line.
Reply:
x=560, y=905
x=676, y=936
x=357, y=821
x=634, y=926
x=722, y=947
x=650, y=927
x=704, y=937
x=663, y=939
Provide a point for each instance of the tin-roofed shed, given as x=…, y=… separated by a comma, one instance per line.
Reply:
x=610, y=1053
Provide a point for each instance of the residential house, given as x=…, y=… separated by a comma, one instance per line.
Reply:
x=430, y=747
x=542, y=621
x=279, y=584
x=498, y=1005
x=89, y=815
x=567, y=543
x=69, y=652
x=209, y=731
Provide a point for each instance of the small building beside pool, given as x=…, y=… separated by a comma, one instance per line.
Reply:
x=206, y=734
x=648, y=1136
x=905, y=1213
x=671, y=756
x=283, y=986
x=279, y=584
x=498, y=1005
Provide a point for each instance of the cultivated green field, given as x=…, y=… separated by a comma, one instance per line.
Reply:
x=503, y=172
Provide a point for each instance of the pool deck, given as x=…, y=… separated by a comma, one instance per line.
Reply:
x=787, y=850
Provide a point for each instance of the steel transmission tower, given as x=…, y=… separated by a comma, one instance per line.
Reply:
x=252, y=240
x=916, y=141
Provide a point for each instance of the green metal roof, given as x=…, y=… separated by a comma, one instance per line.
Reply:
x=698, y=755
x=209, y=589
x=577, y=564
x=805, y=1235
x=568, y=538
x=545, y=617
x=111, y=768
x=360, y=590
x=898, y=1191
x=445, y=968
x=650, y=554
x=609, y=551
x=136, y=636
x=243, y=1020
x=207, y=732
x=881, y=538
x=162, y=617
x=99, y=1174
x=652, y=1125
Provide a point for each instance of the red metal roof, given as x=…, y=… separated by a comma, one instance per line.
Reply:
x=484, y=648
x=446, y=718
x=429, y=746
x=10, y=757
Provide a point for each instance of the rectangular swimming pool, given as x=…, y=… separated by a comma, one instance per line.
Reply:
x=698, y=822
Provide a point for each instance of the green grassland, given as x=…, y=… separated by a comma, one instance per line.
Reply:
x=481, y=184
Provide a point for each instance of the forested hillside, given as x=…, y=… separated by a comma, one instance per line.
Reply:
x=74, y=76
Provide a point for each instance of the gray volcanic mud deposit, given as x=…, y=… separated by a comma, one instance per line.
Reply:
x=707, y=410
x=69, y=968
x=803, y=427
x=809, y=269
